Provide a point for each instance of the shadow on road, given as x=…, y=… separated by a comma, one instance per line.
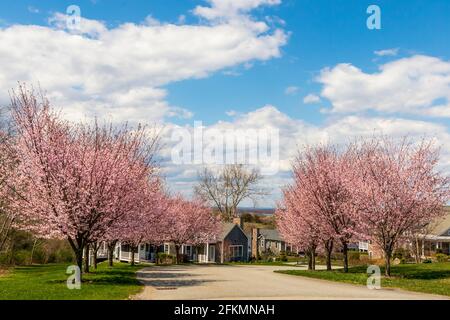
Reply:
x=170, y=278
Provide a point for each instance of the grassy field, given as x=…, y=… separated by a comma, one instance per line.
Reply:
x=429, y=278
x=48, y=282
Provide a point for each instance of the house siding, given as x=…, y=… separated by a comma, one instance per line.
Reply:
x=236, y=237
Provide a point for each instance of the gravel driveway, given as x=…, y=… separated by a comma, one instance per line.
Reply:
x=240, y=282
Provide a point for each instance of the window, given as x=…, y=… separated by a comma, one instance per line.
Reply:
x=236, y=251
x=188, y=250
x=166, y=248
x=262, y=243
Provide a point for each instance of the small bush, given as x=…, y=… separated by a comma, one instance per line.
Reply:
x=353, y=256
x=282, y=257
x=402, y=254
x=364, y=258
x=4, y=259
x=164, y=258
x=21, y=257
x=441, y=257
x=427, y=261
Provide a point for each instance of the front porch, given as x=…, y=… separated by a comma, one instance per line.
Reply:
x=434, y=244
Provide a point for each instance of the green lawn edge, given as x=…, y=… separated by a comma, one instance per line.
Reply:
x=433, y=278
x=49, y=282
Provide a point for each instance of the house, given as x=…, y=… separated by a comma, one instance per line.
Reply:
x=267, y=241
x=143, y=253
x=230, y=245
x=437, y=239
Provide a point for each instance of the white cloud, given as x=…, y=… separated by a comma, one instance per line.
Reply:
x=311, y=98
x=387, y=52
x=416, y=85
x=295, y=134
x=87, y=27
x=291, y=90
x=120, y=72
x=231, y=113
x=231, y=9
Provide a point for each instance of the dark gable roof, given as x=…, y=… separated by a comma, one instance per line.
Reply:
x=226, y=229
x=270, y=234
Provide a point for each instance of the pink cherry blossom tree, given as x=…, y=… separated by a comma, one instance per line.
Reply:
x=297, y=225
x=190, y=222
x=144, y=224
x=323, y=175
x=399, y=188
x=80, y=179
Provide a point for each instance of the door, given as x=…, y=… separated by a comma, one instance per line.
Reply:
x=212, y=253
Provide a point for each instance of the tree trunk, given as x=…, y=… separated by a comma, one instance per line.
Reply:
x=156, y=254
x=310, y=263
x=313, y=259
x=32, y=251
x=329, y=250
x=77, y=246
x=79, y=258
x=177, y=254
x=345, y=252
x=418, y=256
x=111, y=246
x=132, y=248
x=86, y=259
x=387, y=270
x=95, y=256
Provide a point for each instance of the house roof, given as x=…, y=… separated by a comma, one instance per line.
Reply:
x=270, y=234
x=226, y=229
x=442, y=225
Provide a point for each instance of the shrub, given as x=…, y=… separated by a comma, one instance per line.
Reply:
x=441, y=257
x=364, y=258
x=64, y=255
x=164, y=258
x=402, y=254
x=353, y=256
x=427, y=261
x=4, y=259
x=21, y=257
x=282, y=257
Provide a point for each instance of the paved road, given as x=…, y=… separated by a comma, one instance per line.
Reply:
x=251, y=282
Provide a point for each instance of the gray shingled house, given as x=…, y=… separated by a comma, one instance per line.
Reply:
x=267, y=241
x=231, y=245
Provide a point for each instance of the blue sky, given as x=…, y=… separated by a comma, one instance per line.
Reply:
x=322, y=33
x=267, y=82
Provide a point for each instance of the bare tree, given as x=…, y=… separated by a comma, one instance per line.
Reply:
x=227, y=188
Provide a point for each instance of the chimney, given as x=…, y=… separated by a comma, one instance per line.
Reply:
x=238, y=221
x=255, y=247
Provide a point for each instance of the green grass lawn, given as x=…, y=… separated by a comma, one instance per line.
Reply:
x=48, y=282
x=429, y=278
